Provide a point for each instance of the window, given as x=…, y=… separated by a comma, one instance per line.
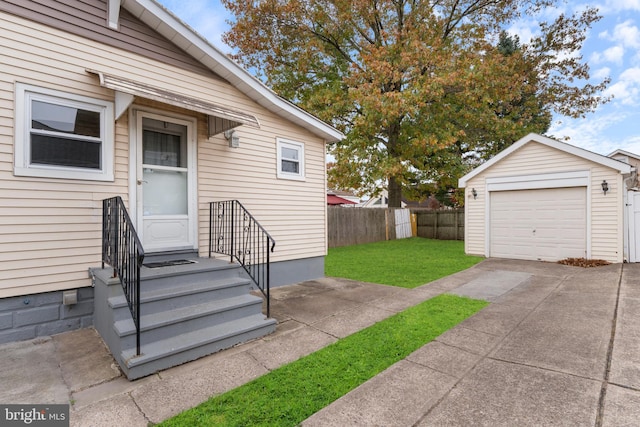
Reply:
x=290, y=159
x=61, y=135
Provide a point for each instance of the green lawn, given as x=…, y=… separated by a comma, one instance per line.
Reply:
x=293, y=392
x=406, y=263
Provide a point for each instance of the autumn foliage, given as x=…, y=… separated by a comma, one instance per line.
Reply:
x=422, y=89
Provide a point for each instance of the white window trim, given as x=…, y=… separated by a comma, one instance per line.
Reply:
x=22, y=147
x=280, y=143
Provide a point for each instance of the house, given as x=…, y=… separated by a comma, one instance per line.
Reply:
x=127, y=138
x=382, y=201
x=542, y=199
x=341, y=198
x=333, y=200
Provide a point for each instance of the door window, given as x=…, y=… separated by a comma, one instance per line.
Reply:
x=164, y=168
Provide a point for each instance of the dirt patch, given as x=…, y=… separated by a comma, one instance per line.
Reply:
x=583, y=262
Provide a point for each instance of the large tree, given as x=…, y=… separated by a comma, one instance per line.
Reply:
x=405, y=80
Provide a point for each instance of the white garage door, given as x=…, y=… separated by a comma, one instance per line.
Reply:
x=547, y=224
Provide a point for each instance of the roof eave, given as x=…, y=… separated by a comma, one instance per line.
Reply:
x=621, y=167
x=171, y=27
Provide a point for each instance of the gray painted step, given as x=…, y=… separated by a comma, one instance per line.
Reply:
x=162, y=299
x=188, y=311
x=174, y=322
x=173, y=351
x=170, y=255
x=171, y=277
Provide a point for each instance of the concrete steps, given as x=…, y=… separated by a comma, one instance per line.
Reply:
x=186, y=312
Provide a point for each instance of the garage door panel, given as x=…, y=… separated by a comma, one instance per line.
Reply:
x=543, y=224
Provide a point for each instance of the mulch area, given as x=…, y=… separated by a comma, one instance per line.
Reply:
x=583, y=262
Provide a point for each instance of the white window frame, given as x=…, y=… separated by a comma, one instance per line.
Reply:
x=293, y=145
x=25, y=94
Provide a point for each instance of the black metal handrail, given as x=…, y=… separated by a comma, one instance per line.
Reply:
x=235, y=232
x=122, y=250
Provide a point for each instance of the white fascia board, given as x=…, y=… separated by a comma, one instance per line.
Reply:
x=174, y=29
x=536, y=181
x=624, y=153
x=621, y=167
x=113, y=7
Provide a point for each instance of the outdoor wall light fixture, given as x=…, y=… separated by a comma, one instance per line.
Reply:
x=233, y=138
x=474, y=193
x=605, y=187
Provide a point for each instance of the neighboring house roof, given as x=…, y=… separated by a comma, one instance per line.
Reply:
x=618, y=165
x=334, y=200
x=621, y=153
x=344, y=195
x=183, y=36
x=380, y=201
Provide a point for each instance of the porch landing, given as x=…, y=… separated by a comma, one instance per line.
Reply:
x=186, y=312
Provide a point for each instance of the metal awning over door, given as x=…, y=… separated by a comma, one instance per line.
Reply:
x=220, y=118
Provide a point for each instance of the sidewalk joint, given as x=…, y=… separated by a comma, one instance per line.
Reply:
x=605, y=381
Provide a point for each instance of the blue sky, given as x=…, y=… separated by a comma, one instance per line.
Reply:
x=612, y=49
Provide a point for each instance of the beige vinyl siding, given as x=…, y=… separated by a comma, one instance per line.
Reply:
x=292, y=211
x=89, y=20
x=37, y=213
x=474, y=218
x=606, y=216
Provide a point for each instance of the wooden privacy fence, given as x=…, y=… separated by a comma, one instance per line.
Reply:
x=441, y=224
x=352, y=226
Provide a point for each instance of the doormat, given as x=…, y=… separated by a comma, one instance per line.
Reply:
x=169, y=263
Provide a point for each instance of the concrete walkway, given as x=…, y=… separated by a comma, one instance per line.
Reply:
x=557, y=345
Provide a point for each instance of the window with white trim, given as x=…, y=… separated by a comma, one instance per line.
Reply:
x=290, y=159
x=62, y=135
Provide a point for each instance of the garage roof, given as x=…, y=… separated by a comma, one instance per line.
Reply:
x=621, y=167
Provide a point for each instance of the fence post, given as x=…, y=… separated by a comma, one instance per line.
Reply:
x=456, y=225
x=386, y=223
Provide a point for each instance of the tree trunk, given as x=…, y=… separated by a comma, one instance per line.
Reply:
x=395, y=193
x=395, y=186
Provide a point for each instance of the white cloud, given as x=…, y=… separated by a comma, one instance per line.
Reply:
x=614, y=54
x=601, y=73
x=592, y=133
x=524, y=29
x=626, y=90
x=620, y=5
x=625, y=33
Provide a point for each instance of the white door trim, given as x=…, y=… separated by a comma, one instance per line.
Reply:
x=135, y=114
x=534, y=182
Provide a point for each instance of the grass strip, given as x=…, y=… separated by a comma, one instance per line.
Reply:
x=290, y=394
x=405, y=263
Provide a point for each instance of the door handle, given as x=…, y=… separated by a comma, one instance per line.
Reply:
x=140, y=181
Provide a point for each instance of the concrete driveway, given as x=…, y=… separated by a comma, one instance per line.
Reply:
x=557, y=345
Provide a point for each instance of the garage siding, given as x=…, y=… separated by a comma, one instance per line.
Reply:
x=605, y=217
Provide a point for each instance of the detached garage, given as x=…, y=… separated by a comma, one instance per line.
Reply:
x=541, y=199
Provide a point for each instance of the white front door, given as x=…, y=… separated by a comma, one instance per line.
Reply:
x=165, y=182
